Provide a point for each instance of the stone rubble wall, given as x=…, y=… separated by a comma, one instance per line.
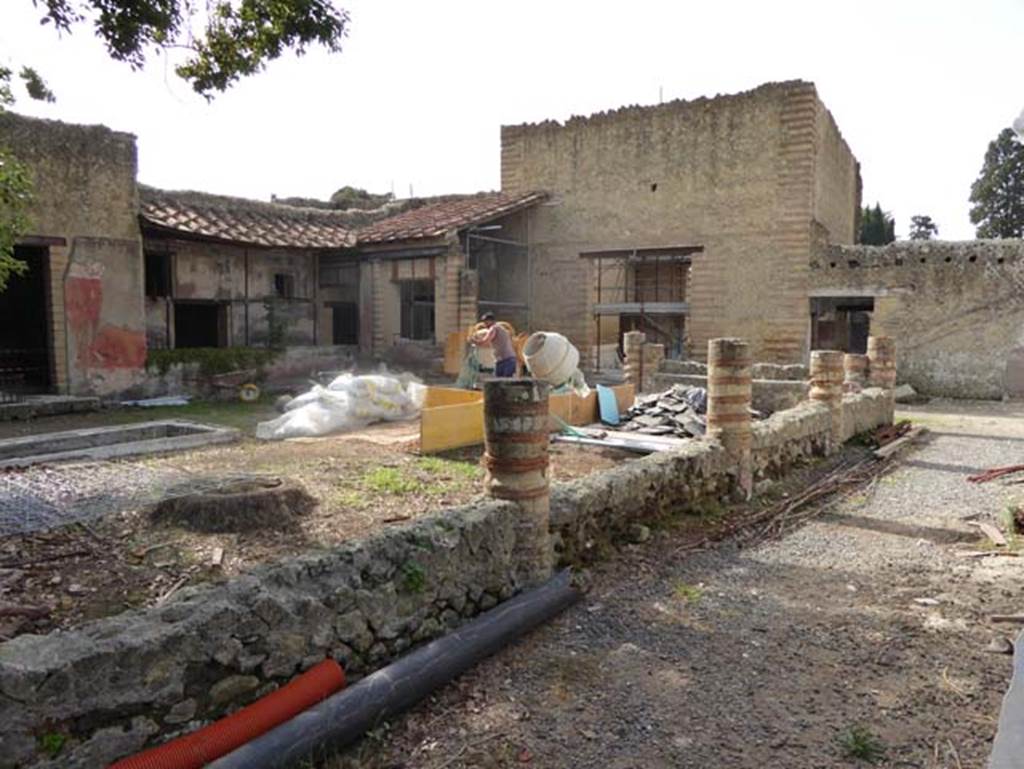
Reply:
x=114, y=682
x=865, y=411
x=589, y=511
x=117, y=684
x=788, y=438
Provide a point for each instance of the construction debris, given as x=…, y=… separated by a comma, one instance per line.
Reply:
x=991, y=532
x=1015, y=619
x=679, y=411
x=611, y=439
x=896, y=446
x=889, y=433
x=782, y=517
x=995, y=472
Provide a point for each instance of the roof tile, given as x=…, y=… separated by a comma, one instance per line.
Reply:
x=436, y=219
x=245, y=221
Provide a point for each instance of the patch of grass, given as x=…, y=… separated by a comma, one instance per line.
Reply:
x=51, y=743
x=211, y=360
x=390, y=480
x=860, y=744
x=448, y=468
x=683, y=591
x=414, y=577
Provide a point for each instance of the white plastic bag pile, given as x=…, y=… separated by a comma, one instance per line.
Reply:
x=349, y=402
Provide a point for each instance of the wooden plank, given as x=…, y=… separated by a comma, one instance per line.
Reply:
x=900, y=443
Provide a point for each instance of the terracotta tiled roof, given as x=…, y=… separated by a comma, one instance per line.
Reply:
x=437, y=218
x=245, y=221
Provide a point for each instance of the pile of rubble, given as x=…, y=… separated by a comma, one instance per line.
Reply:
x=679, y=412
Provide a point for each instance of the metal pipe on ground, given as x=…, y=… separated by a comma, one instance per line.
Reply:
x=343, y=718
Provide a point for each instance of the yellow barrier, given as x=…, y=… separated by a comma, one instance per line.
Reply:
x=453, y=419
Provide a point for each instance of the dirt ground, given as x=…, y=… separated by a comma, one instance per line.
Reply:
x=859, y=638
x=363, y=482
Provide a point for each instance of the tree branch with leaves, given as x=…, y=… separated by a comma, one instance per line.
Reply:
x=223, y=40
x=15, y=194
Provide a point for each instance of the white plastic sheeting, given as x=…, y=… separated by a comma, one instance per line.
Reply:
x=349, y=402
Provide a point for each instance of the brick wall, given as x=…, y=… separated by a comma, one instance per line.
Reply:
x=737, y=174
x=956, y=310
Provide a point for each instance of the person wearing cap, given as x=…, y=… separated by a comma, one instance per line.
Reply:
x=498, y=338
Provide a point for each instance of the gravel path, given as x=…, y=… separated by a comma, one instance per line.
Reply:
x=862, y=630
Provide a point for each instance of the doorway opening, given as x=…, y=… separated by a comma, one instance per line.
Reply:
x=344, y=322
x=417, y=310
x=25, y=349
x=841, y=323
x=200, y=324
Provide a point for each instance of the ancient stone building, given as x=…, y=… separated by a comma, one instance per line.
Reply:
x=956, y=310
x=726, y=216
x=740, y=188
x=222, y=272
x=74, y=322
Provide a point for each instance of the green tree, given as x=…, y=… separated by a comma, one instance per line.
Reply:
x=922, y=228
x=224, y=41
x=998, y=192
x=877, y=227
x=15, y=194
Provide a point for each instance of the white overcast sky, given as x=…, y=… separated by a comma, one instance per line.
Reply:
x=417, y=96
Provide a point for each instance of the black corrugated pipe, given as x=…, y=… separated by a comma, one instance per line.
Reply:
x=346, y=716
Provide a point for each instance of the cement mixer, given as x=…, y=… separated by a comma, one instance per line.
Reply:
x=552, y=358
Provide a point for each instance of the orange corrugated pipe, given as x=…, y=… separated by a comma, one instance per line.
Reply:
x=196, y=750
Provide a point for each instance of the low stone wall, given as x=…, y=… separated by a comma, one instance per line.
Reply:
x=590, y=510
x=114, y=685
x=865, y=411
x=110, y=685
x=788, y=438
x=769, y=395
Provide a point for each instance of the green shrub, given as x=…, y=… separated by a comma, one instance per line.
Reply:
x=211, y=360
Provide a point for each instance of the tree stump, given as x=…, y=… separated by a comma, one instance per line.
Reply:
x=235, y=506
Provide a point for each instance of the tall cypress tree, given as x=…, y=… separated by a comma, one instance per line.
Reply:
x=998, y=192
x=877, y=227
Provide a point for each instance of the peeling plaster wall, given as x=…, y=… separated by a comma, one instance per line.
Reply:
x=106, y=347
x=242, y=277
x=955, y=309
x=85, y=192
